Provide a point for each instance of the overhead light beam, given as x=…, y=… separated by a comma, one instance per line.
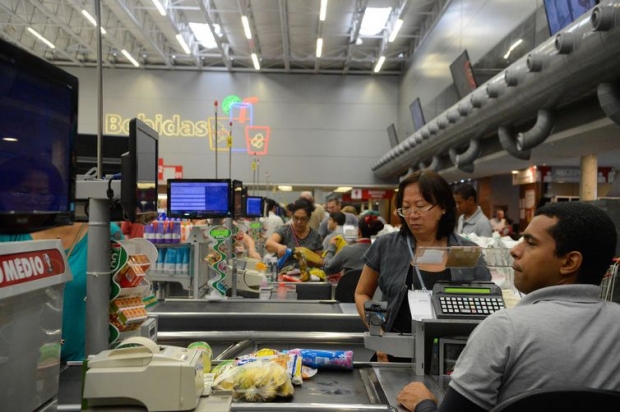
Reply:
x=319, y=47
x=379, y=64
x=43, y=39
x=184, y=45
x=160, y=8
x=395, y=30
x=130, y=58
x=255, y=61
x=246, y=27
x=323, y=10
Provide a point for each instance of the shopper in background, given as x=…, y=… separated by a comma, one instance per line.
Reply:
x=500, y=223
x=471, y=220
x=350, y=256
x=561, y=334
x=132, y=230
x=318, y=212
x=272, y=221
x=334, y=205
x=297, y=234
x=335, y=224
x=74, y=240
x=427, y=211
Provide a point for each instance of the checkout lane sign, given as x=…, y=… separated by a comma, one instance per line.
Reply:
x=26, y=267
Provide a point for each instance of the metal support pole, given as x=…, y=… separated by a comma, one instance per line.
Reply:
x=98, y=277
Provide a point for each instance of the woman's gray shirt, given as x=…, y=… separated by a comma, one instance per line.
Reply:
x=389, y=255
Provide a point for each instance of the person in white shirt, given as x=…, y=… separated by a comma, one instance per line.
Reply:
x=272, y=221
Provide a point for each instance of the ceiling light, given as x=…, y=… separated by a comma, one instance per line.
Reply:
x=246, y=27
x=285, y=188
x=159, y=7
x=319, y=47
x=9, y=139
x=395, y=30
x=375, y=20
x=43, y=39
x=130, y=58
x=255, y=61
x=203, y=34
x=92, y=20
x=515, y=172
x=511, y=48
x=342, y=189
x=184, y=46
x=323, y=10
x=379, y=64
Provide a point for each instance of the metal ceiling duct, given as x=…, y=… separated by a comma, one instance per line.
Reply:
x=564, y=68
x=609, y=99
x=509, y=143
x=466, y=159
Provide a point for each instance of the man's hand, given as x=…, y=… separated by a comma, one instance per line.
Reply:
x=414, y=393
x=382, y=357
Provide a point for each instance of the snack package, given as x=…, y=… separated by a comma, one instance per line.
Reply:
x=325, y=359
x=257, y=381
x=290, y=362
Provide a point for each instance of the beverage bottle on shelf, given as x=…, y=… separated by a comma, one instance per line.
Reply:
x=148, y=232
x=159, y=232
x=168, y=231
x=176, y=230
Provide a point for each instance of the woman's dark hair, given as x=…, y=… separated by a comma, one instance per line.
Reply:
x=435, y=190
x=302, y=204
x=369, y=225
x=586, y=229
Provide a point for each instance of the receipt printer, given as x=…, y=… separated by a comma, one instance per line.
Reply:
x=161, y=378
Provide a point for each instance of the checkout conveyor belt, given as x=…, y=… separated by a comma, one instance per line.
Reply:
x=178, y=315
x=368, y=387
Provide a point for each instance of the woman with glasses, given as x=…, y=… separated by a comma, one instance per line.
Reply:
x=427, y=211
x=297, y=234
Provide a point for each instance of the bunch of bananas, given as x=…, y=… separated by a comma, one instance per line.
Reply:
x=257, y=381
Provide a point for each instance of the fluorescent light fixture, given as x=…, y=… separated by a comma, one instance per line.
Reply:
x=342, y=189
x=92, y=20
x=395, y=30
x=10, y=139
x=130, y=58
x=515, y=172
x=246, y=27
x=285, y=188
x=43, y=39
x=203, y=34
x=379, y=64
x=255, y=61
x=184, y=45
x=511, y=48
x=323, y=10
x=375, y=20
x=319, y=47
x=159, y=7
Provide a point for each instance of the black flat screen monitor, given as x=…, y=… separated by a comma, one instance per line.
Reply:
x=199, y=198
x=417, y=115
x=139, y=174
x=38, y=125
x=254, y=206
x=463, y=75
x=392, y=136
x=561, y=13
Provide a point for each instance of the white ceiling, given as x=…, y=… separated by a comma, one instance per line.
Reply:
x=284, y=33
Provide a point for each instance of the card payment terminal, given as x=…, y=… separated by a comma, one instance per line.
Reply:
x=466, y=300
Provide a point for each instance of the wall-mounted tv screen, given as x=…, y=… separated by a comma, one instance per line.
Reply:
x=139, y=174
x=254, y=206
x=199, y=198
x=38, y=125
x=560, y=13
x=392, y=136
x=463, y=75
x=417, y=115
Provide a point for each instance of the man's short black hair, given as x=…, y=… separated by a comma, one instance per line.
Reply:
x=466, y=191
x=584, y=228
x=338, y=217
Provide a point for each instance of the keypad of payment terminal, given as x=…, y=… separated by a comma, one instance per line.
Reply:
x=466, y=300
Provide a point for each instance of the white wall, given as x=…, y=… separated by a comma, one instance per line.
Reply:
x=324, y=129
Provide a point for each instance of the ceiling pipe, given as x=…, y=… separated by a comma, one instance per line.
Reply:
x=609, y=99
x=538, y=133
x=468, y=156
x=434, y=165
x=593, y=58
x=509, y=143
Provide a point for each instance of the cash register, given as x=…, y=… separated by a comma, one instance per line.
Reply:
x=140, y=372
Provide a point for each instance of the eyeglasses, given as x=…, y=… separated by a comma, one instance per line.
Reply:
x=419, y=211
x=300, y=219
